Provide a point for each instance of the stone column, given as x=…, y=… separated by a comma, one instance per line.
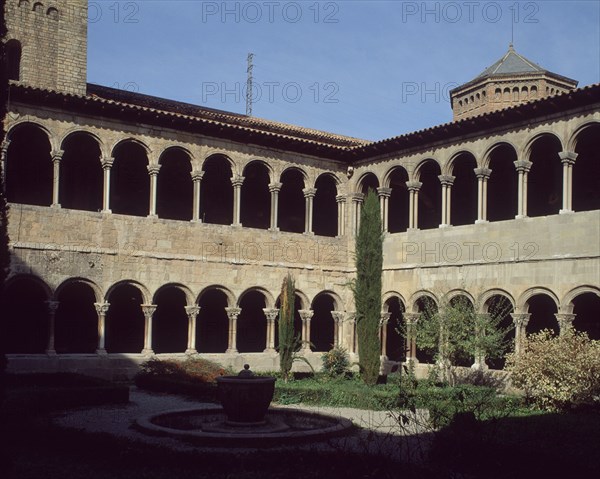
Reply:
x=309, y=196
x=446, y=181
x=523, y=167
x=383, y=323
x=338, y=321
x=192, y=313
x=271, y=315
x=237, y=181
x=357, y=201
x=483, y=175
x=411, y=336
x=341, y=202
x=232, y=314
x=52, y=307
x=520, y=320
x=106, y=167
x=567, y=159
x=56, y=157
x=565, y=321
x=153, y=172
x=306, y=315
x=479, y=356
x=3, y=159
x=148, y=310
x=384, y=197
x=350, y=326
x=196, y=179
x=274, y=188
x=101, y=310
x=413, y=205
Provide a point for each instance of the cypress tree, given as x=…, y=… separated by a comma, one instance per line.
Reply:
x=367, y=288
x=287, y=339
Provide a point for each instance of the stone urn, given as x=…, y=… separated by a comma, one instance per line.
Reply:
x=245, y=397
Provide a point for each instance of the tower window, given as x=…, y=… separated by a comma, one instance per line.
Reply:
x=13, y=59
x=38, y=7
x=52, y=13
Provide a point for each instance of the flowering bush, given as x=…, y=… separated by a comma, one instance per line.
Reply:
x=193, y=369
x=335, y=362
x=557, y=372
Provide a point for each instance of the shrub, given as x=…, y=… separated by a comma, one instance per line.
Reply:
x=557, y=372
x=335, y=362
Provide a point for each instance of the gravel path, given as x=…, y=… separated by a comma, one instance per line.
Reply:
x=378, y=432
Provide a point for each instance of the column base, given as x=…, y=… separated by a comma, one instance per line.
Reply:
x=190, y=351
x=106, y=212
x=196, y=221
x=274, y=230
x=152, y=216
x=51, y=353
x=565, y=212
x=520, y=217
x=308, y=233
x=56, y=206
x=147, y=352
x=270, y=350
x=101, y=352
x=478, y=366
x=444, y=226
x=236, y=225
x=481, y=222
x=408, y=230
x=231, y=351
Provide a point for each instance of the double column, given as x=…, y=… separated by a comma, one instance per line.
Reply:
x=56, y=158
x=384, y=198
x=357, y=201
x=383, y=324
x=520, y=321
x=447, y=181
x=192, y=313
x=274, y=189
x=341, y=225
x=237, y=181
x=413, y=203
x=232, y=314
x=338, y=327
x=101, y=310
x=567, y=159
x=411, y=336
x=483, y=175
x=197, y=176
x=52, y=307
x=148, y=310
x=153, y=172
x=523, y=167
x=309, y=196
x=107, y=164
x=306, y=316
x=271, y=314
x=3, y=156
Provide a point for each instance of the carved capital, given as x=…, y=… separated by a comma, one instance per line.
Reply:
x=102, y=308
x=447, y=180
x=153, y=169
x=567, y=157
x=482, y=172
x=411, y=318
x=384, y=318
x=197, y=175
x=4, y=148
x=340, y=198
x=237, y=181
x=56, y=155
x=148, y=310
x=338, y=316
x=350, y=317
x=192, y=311
x=275, y=187
x=309, y=192
x=565, y=320
x=414, y=185
x=233, y=313
x=382, y=191
x=520, y=319
x=358, y=197
x=271, y=313
x=52, y=306
x=306, y=314
x=523, y=165
x=107, y=162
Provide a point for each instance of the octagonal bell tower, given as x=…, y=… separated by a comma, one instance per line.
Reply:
x=46, y=43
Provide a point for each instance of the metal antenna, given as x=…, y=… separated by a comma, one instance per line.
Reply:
x=249, y=85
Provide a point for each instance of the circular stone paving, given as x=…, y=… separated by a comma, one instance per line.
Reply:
x=209, y=427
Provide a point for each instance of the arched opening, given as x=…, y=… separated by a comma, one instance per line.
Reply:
x=500, y=308
x=170, y=321
x=216, y=192
x=369, y=182
x=256, y=199
x=322, y=323
x=24, y=317
x=398, y=202
x=430, y=196
x=462, y=306
x=544, y=181
x=325, y=211
x=463, y=208
x=12, y=51
x=297, y=318
x=395, y=345
x=29, y=170
x=76, y=320
x=428, y=309
x=542, y=309
x=125, y=320
x=586, y=307
x=502, y=185
x=586, y=171
x=174, y=189
x=130, y=182
x=81, y=177
x=252, y=324
x=291, y=202
x=212, y=326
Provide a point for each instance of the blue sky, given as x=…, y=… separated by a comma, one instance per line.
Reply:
x=370, y=69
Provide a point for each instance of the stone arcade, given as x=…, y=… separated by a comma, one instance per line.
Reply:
x=143, y=226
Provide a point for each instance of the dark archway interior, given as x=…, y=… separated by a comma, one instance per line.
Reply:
x=125, y=320
x=369, y=182
x=396, y=345
x=216, y=192
x=24, y=318
x=29, y=169
x=76, y=320
x=542, y=309
x=252, y=324
x=586, y=171
x=502, y=197
x=256, y=198
x=430, y=196
x=462, y=305
x=398, y=203
x=174, y=189
x=291, y=202
x=297, y=319
x=322, y=324
x=427, y=307
x=130, y=182
x=81, y=176
x=170, y=321
x=587, y=310
x=463, y=210
x=212, y=324
x=544, y=181
x=500, y=308
x=325, y=211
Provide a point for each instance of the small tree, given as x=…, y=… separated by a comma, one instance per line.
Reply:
x=288, y=341
x=457, y=331
x=367, y=288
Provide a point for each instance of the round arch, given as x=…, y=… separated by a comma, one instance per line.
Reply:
x=133, y=140
x=189, y=296
x=79, y=280
x=300, y=170
x=269, y=300
x=215, y=153
x=389, y=295
x=17, y=125
x=485, y=298
x=362, y=180
x=418, y=295
x=575, y=135
x=526, y=151
x=566, y=305
x=31, y=277
x=337, y=300
x=177, y=148
x=449, y=165
x=81, y=131
x=490, y=149
x=453, y=293
x=522, y=302
x=131, y=282
x=226, y=291
x=333, y=176
x=417, y=171
x=262, y=163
